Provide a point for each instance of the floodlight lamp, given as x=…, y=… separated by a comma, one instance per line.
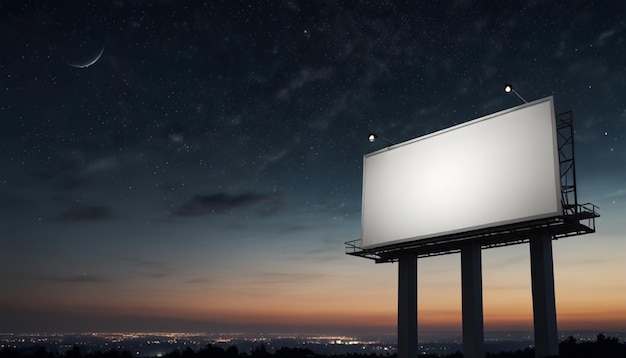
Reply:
x=508, y=88
x=372, y=136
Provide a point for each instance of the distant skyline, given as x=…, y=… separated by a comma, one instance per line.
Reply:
x=203, y=171
x=153, y=344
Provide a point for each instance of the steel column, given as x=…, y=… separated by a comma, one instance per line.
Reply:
x=407, y=306
x=544, y=306
x=472, y=301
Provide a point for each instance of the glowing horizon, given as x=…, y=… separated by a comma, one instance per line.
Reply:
x=507, y=303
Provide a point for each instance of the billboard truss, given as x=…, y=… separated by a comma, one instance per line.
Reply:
x=577, y=219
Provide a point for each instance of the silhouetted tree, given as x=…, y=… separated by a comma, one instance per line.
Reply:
x=293, y=353
x=260, y=352
x=211, y=351
x=73, y=353
x=232, y=352
x=609, y=347
x=603, y=346
x=567, y=348
x=188, y=353
x=526, y=353
x=9, y=353
x=173, y=354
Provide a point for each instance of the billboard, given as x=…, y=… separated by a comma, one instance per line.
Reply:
x=499, y=169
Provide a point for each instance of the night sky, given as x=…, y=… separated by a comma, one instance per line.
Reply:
x=204, y=173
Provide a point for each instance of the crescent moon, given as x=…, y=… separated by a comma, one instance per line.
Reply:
x=89, y=63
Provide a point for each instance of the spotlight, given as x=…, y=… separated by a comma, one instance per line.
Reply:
x=372, y=136
x=508, y=88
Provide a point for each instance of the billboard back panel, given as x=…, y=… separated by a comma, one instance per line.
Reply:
x=494, y=170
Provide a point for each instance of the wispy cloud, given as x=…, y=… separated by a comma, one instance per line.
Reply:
x=80, y=278
x=342, y=206
x=501, y=264
x=606, y=35
x=273, y=278
x=75, y=169
x=305, y=76
x=201, y=205
x=100, y=165
x=616, y=193
x=148, y=268
x=86, y=213
x=502, y=287
x=200, y=280
x=142, y=263
x=153, y=274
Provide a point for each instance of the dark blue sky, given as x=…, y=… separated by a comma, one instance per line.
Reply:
x=206, y=170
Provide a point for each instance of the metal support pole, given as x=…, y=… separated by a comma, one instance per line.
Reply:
x=407, y=306
x=544, y=306
x=472, y=301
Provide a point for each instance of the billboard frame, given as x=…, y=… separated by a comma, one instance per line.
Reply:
x=576, y=219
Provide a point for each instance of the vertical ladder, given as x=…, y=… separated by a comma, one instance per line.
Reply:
x=565, y=140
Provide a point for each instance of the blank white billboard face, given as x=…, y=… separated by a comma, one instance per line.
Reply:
x=494, y=170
